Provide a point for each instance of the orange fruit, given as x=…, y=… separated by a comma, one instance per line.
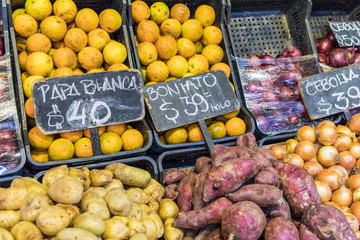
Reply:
x=116, y=128
x=72, y=136
x=114, y=52
x=87, y=19
x=90, y=58
x=54, y=28
x=110, y=20
x=212, y=35
x=231, y=114
x=38, y=140
x=180, y=12
x=38, y=42
x=96, y=70
x=62, y=72
x=170, y=79
x=188, y=74
x=178, y=66
x=176, y=135
x=132, y=139
x=147, y=31
x=140, y=11
x=17, y=12
x=192, y=29
x=78, y=71
x=147, y=53
x=76, y=39
x=198, y=64
x=83, y=148
x=221, y=66
x=25, y=25
x=29, y=108
x=166, y=47
x=38, y=9
x=199, y=47
x=117, y=67
x=159, y=12
x=87, y=134
x=39, y=63
x=157, y=71
x=40, y=156
x=186, y=48
x=22, y=60
x=162, y=139
x=213, y=53
x=110, y=142
x=64, y=57
x=194, y=133
x=61, y=149
x=20, y=43
x=171, y=27
x=217, y=130
x=235, y=126
x=66, y=9
x=24, y=76
x=27, y=84
x=98, y=38
x=58, y=44
x=205, y=14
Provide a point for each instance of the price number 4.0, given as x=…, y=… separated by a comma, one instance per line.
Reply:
x=97, y=112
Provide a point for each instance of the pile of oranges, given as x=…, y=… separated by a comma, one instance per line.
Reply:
x=69, y=42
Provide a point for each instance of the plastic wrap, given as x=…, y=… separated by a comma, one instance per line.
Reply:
x=9, y=144
x=271, y=92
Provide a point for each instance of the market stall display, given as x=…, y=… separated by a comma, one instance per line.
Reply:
x=67, y=52
x=193, y=36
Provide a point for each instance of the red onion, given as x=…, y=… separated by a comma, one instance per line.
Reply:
x=254, y=61
x=284, y=54
x=299, y=108
x=3, y=86
x=286, y=93
x=352, y=54
x=8, y=146
x=6, y=134
x=296, y=92
x=294, y=52
x=316, y=42
x=294, y=119
x=252, y=87
x=266, y=84
x=325, y=46
x=338, y=58
x=291, y=76
x=263, y=122
x=323, y=58
x=269, y=96
x=266, y=59
x=357, y=58
x=331, y=37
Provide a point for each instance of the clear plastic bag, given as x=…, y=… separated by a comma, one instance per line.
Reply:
x=271, y=92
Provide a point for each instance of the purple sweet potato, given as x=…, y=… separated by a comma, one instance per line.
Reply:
x=268, y=176
x=281, y=228
x=240, y=151
x=266, y=153
x=170, y=191
x=210, y=214
x=173, y=175
x=197, y=200
x=328, y=222
x=261, y=160
x=262, y=194
x=282, y=210
x=306, y=234
x=202, y=164
x=228, y=177
x=206, y=231
x=298, y=187
x=243, y=220
x=214, y=235
x=220, y=154
x=186, y=190
x=247, y=140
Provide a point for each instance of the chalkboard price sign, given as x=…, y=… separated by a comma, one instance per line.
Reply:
x=328, y=93
x=78, y=102
x=347, y=33
x=187, y=100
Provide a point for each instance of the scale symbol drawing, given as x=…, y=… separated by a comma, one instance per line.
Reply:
x=54, y=118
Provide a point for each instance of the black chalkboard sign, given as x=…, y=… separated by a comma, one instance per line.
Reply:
x=187, y=100
x=346, y=33
x=328, y=93
x=78, y=102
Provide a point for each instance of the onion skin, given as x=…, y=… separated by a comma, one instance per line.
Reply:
x=323, y=58
x=332, y=38
x=278, y=151
x=355, y=149
x=354, y=124
x=347, y=160
x=291, y=145
x=354, y=182
x=344, y=129
x=332, y=178
x=343, y=142
x=338, y=57
x=295, y=159
x=313, y=168
x=342, y=171
x=294, y=52
x=324, y=191
x=326, y=134
x=306, y=150
x=357, y=58
x=356, y=195
x=326, y=122
x=325, y=46
x=352, y=220
x=328, y=156
x=345, y=209
x=306, y=133
x=355, y=210
x=334, y=204
x=342, y=196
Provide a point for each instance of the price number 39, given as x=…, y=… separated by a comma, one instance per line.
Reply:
x=97, y=112
x=343, y=99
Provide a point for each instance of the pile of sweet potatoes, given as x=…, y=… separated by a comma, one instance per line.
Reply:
x=243, y=192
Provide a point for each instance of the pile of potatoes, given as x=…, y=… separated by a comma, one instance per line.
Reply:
x=118, y=202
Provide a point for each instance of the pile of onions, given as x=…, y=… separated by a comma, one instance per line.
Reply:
x=330, y=53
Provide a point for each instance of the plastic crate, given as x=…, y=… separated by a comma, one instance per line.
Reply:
x=5, y=182
x=12, y=123
x=275, y=139
x=267, y=26
x=121, y=35
x=143, y=162
x=219, y=7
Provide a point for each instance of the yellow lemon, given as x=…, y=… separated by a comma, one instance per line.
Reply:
x=38, y=9
x=217, y=130
x=114, y=52
x=176, y=135
x=110, y=142
x=159, y=12
x=27, y=84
